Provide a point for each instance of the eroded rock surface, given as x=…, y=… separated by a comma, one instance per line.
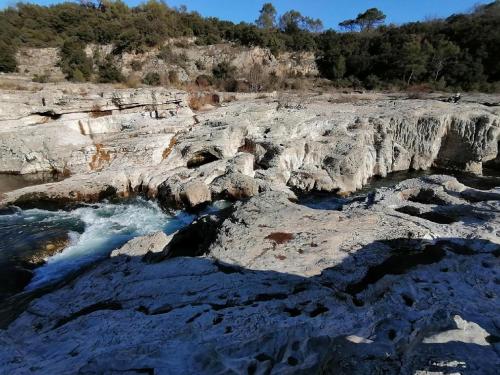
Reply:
x=381, y=286
x=85, y=128
x=404, y=280
x=276, y=143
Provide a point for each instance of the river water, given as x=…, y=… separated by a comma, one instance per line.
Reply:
x=89, y=231
x=330, y=201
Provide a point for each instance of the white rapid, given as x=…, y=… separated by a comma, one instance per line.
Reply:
x=94, y=230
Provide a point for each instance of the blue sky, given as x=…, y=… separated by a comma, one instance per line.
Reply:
x=331, y=12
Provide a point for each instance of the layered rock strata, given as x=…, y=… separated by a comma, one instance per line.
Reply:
x=272, y=143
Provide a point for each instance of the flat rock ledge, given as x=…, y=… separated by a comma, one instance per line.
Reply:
x=405, y=281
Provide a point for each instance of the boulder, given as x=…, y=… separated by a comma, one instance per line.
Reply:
x=140, y=246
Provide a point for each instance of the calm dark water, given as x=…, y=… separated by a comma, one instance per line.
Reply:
x=9, y=182
x=331, y=201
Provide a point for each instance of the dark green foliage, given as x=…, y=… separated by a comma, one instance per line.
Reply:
x=267, y=18
x=461, y=52
x=364, y=21
x=224, y=75
x=152, y=79
x=292, y=22
x=74, y=63
x=369, y=19
x=224, y=70
x=7, y=58
x=131, y=29
x=109, y=71
x=136, y=65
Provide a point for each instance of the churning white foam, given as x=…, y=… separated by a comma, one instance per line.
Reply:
x=105, y=226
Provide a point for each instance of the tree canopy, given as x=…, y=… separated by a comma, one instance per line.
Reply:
x=267, y=18
x=460, y=52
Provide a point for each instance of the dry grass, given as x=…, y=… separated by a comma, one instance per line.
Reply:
x=419, y=91
x=16, y=86
x=133, y=80
x=100, y=158
x=199, y=100
x=169, y=149
x=340, y=99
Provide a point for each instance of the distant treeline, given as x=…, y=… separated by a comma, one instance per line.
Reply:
x=460, y=52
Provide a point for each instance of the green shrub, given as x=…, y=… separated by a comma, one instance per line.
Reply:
x=372, y=82
x=109, y=72
x=74, y=63
x=136, y=65
x=8, y=61
x=224, y=70
x=152, y=79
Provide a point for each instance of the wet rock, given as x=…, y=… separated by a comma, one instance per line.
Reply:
x=47, y=250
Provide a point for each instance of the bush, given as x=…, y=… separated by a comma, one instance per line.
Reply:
x=200, y=65
x=229, y=85
x=133, y=80
x=173, y=77
x=41, y=78
x=152, y=79
x=172, y=58
x=109, y=72
x=136, y=65
x=256, y=78
x=203, y=80
x=74, y=63
x=372, y=82
x=223, y=71
x=8, y=61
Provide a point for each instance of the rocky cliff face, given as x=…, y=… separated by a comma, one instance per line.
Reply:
x=149, y=141
x=80, y=129
x=185, y=58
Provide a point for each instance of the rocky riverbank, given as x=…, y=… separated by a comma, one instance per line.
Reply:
x=404, y=281
x=401, y=280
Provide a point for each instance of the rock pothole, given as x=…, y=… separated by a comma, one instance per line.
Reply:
x=426, y=196
x=435, y=217
x=407, y=254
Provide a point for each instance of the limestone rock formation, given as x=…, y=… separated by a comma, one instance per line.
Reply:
x=185, y=58
x=84, y=128
x=140, y=246
x=404, y=281
x=285, y=143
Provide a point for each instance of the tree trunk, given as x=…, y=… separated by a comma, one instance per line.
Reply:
x=409, y=78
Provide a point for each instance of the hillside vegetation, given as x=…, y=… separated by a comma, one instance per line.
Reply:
x=461, y=52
